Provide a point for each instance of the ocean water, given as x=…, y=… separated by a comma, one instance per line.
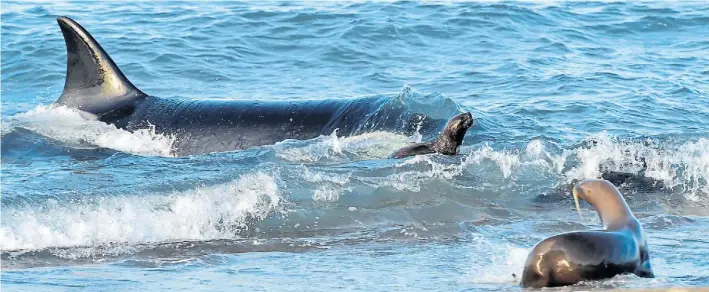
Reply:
x=559, y=91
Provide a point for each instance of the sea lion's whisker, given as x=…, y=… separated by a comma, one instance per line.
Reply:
x=576, y=200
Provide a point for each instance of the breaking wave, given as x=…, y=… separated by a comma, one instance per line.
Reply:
x=224, y=210
x=206, y=213
x=81, y=130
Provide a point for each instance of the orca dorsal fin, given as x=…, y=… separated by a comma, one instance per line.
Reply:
x=93, y=81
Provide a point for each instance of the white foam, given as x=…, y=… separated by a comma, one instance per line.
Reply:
x=692, y=160
x=495, y=262
x=683, y=167
x=373, y=145
x=535, y=148
x=80, y=129
x=330, y=185
x=327, y=194
x=505, y=161
x=603, y=153
x=205, y=213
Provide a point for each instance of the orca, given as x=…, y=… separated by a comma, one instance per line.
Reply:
x=96, y=85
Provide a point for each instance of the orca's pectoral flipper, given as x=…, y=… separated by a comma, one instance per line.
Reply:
x=93, y=81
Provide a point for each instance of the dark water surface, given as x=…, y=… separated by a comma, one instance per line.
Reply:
x=560, y=91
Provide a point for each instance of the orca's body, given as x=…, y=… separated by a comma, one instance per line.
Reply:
x=94, y=84
x=203, y=126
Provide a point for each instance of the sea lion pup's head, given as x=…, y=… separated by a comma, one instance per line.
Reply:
x=607, y=200
x=453, y=133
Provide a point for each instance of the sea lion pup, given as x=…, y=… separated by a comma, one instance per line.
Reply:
x=620, y=248
x=448, y=142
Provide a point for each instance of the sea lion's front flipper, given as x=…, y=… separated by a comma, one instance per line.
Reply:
x=412, y=150
x=93, y=81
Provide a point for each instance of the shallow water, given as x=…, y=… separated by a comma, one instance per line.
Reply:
x=559, y=91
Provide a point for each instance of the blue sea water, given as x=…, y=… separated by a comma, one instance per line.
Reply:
x=560, y=91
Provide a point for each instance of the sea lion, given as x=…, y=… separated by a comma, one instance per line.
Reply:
x=619, y=248
x=94, y=84
x=448, y=142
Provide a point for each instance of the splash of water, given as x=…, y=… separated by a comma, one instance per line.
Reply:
x=205, y=213
x=80, y=129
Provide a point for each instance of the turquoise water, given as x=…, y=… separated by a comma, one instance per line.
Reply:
x=560, y=91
